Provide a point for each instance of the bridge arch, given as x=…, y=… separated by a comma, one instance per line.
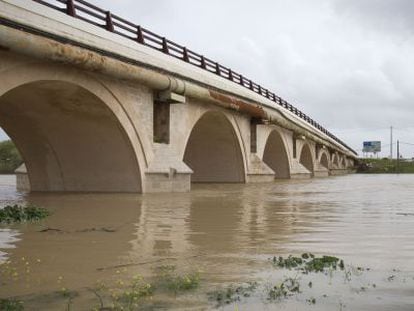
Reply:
x=275, y=155
x=342, y=162
x=335, y=160
x=306, y=157
x=213, y=150
x=71, y=131
x=324, y=159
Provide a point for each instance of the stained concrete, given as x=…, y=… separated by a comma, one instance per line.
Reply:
x=85, y=122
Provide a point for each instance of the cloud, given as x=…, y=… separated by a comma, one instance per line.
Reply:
x=395, y=17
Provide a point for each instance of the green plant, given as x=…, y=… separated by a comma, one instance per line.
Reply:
x=10, y=158
x=288, y=287
x=308, y=263
x=18, y=213
x=11, y=305
x=126, y=296
x=232, y=294
x=131, y=296
x=169, y=279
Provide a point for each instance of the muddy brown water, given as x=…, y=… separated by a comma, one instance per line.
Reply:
x=225, y=232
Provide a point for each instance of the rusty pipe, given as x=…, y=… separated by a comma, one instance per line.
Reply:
x=41, y=47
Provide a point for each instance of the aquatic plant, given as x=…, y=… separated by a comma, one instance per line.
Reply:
x=130, y=297
x=11, y=305
x=288, y=287
x=169, y=279
x=309, y=263
x=69, y=296
x=232, y=293
x=127, y=295
x=17, y=213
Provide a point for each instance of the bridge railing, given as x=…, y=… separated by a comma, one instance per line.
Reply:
x=105, y=19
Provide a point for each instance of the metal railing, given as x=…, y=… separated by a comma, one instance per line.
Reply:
x=105, y=19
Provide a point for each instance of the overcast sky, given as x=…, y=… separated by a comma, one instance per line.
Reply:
x=349, y=64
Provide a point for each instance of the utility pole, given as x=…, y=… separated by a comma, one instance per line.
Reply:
x=391, y=142
x=398, y=156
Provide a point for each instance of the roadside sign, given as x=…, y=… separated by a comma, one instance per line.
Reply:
x=371, y=146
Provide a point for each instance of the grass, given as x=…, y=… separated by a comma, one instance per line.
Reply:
x=17, y=213
x=385, y=166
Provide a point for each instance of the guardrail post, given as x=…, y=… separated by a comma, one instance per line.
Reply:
x=165, y=46
x=109, y=23
x=185, y=55
x=203, y=62
x=218, y=69
x=70, y=8
x=230, y=75
x=140, y=36
x=251, y=85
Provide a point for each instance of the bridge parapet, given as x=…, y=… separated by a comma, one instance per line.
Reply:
x=178, y=123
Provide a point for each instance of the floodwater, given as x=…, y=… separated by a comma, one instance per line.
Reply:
x=227, y=233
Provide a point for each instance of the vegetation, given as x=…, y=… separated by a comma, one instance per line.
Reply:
x=288, y=287
x=232, y=293
x=386, y=166
x=10, y=158
x=17, y=213
x=309, y=263
x=125, y=296
x=11, y=305
x=170, y=280
x=299, y=281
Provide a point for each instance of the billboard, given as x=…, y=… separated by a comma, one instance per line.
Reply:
x=371, y=146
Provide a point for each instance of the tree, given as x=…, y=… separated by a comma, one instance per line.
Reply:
x=10, y=158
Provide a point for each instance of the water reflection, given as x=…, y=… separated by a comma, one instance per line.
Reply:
x=227, y=230
x=84, y=233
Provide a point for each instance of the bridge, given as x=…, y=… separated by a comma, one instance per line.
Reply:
x=97, y=103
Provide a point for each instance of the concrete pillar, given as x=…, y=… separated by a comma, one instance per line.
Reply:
x=22, y=179
x=298, y=169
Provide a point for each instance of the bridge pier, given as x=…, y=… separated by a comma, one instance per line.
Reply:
x=259, y=171
x=93, y=111
x=299, y=171
x=167, y=172
x=320, y=171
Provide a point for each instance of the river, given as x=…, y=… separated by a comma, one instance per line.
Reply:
x=93, y=244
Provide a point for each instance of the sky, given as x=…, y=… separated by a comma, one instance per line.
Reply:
x=349, y=64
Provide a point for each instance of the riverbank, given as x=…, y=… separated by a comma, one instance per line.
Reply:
x=386, y=166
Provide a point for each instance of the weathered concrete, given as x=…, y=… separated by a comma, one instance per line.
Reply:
x=22, y=179
x=87, y=121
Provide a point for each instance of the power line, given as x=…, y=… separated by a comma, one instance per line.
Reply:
x=411, y=144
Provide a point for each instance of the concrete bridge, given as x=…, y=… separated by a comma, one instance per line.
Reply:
x=96, y=103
